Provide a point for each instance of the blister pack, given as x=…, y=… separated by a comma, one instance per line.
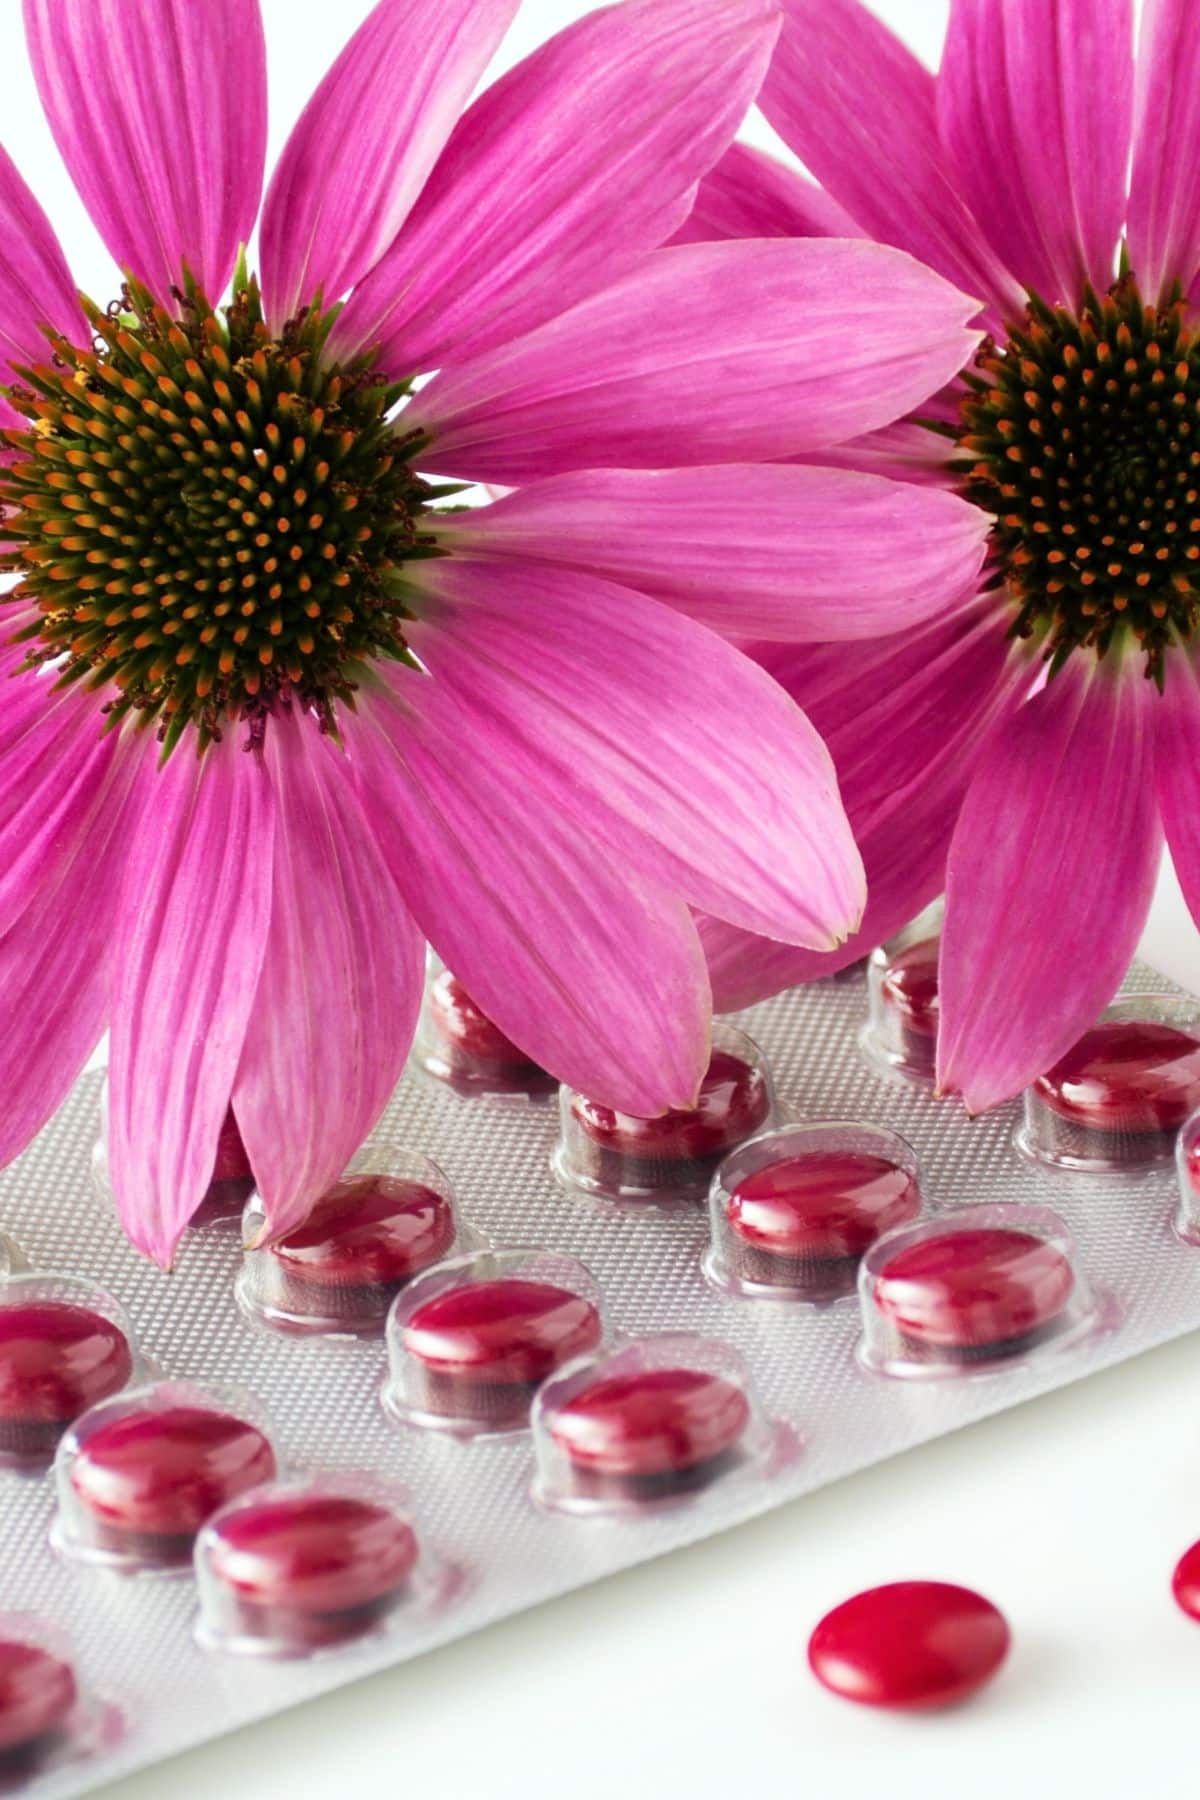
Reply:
x=528, y=1341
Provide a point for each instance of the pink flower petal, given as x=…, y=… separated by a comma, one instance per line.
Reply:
x=1040, y=162
x=1164, y=195
x=1051, y=872
x=752, y=195
x=859, y=111
x=905, y=720
x=160, y=111
x=762, y=550
x=366, y=141
x=664, y=743
x=592, y=971
x=560, y=175
x=1179, y=773
x=189, y=949
x=56, y=962
x=35, y=283
x=340, y=987
x=731, y=352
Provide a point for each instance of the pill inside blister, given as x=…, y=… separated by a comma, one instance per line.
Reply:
x=902, y=987
x=1187, y=1168
x=650, y=1422
x=230, y=1188
x=138, y=1476
x=793, y=1212
x=64, y=1346
x=457, y=1043
x=38, y=1702
x=910, y=1645
x=602, y=1151
x=303, y=1566
x=470, y=1343
x=993, y=1283
x=363, y=1241
x=1116, y=1100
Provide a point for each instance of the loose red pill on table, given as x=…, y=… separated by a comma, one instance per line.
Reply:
x=1126, y=1076
x=650, y=1432
x=685, y=1146
x=144, y=1483
x=478, y=1351
x=797, y=1221
x=974, y=1292
x=475, y=1045
x=910, y=1645
x=909, y=987
x=56, y=1360
x=307, y=1569
x=362, y=1241
x=37, y=1696
x=1185, y=1583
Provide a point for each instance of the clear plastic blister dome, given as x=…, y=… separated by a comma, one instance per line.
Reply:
x=648, y=1423
x=1187, y=1169
x=137, y=1477
x=310, y=1565
x=792, y=1212
x=391, y=1216
x=674, y=1157
x=972, y=1291
x=1114, y=1104
x=47, y=1715
x=65, y=1345
x=900, y=1036
x=456, y=1043
x=470, y=1343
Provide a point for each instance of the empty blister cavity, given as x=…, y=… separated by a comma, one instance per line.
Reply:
x=229, y=1188
x=138, y=1476
x=459, y=1045
x=1116, y=1101
x=651, y=1422
x=970, y=1291
x=792, y=1213
x=47, y=1717
x=470, y=1343
x=674, y=1157
x=313, y=1564
x=900, y=1036
x=65, y=1345
x=391, y=1217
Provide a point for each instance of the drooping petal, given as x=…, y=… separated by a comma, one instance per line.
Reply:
x=1040, y=159
x=1179, y=772
x=56, y=961
x=193, y=928
x=527, y=212
x=731, y=352
x=669, y=747
x=1164, y=194
x=1050, y=877
x=905, y=719
x=160, y=111
x=752, y=550
x=35, y=283
x=366, y=141
x=859, y=110
x=591, y=970
x=752, y=195
x=340, y=986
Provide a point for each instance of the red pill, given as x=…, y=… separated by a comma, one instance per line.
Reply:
x=144, y=1483
x=910, y=1645
x=975, y=1293
x=480, y=1350
x=37, y=1697
x=651, y=1433
x=362, y=1241
x=807, y=1220
x=1126, y=1087
x=1185, y=1583
x=56, y=1360
x=232, y=1178
x=1192, y=1165
x=474, y=1046
x=307, y=1570
x=680, y=1149
x=910, y=990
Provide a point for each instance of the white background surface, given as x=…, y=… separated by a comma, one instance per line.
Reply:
x=687, y=1678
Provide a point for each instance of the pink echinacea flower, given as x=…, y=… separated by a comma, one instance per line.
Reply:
x=1028, y=749
x=276, y=711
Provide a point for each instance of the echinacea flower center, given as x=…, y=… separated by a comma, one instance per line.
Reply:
x=208, y=517
x=1084, y=430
